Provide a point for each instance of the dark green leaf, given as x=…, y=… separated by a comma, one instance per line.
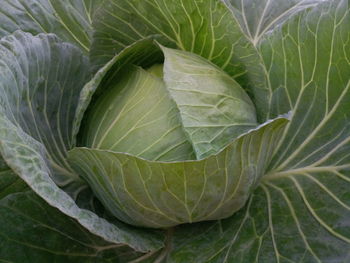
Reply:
x=9, y=181
x=32, y=231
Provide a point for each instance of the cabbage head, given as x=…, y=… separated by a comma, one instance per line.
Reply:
x=158, y=147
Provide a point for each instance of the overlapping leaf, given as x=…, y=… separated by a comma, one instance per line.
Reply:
x=197, y=107
x=31, y=230
x=158, y=194
x=214, y=108
x=127, y=112
x=276, y=222
x=143, y=52
x=207, y=28
x=40, y=81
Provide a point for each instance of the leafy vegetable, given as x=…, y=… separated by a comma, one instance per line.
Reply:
x=232, y=116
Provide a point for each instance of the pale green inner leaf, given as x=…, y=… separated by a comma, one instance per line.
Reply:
x=136, y=115
x=214, y=108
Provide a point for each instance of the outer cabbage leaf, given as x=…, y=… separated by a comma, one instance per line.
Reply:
x=69, y=19
x=31, y=230
x=257, y=17
x=39, y=95
x=40, y=81
x=300, y=212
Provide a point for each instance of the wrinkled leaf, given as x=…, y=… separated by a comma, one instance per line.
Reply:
x=41, y=79
x=32, y=88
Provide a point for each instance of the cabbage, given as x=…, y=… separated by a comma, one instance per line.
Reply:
x=174, y=131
